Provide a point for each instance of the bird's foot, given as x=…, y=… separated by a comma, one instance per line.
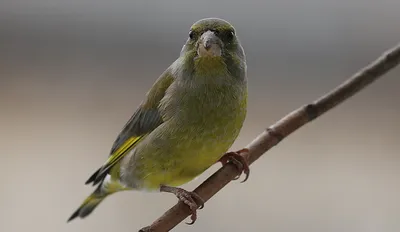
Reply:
x=239, y=160
x=191, y=199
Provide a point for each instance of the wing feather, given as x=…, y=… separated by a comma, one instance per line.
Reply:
x=145, y=119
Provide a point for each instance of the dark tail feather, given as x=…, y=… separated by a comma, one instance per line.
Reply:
x=95, y=179
x=90, y=203
x=92, y=178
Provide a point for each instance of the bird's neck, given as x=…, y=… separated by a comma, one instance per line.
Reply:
x=210, y=66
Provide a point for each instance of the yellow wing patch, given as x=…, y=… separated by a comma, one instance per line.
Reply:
x=119, y=153
x=123, y=149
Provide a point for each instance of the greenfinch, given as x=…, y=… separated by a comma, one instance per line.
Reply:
x=188, y=120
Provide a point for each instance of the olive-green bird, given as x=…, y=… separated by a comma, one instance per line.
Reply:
x=187, y=121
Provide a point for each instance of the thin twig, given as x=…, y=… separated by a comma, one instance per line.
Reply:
x=280, y=130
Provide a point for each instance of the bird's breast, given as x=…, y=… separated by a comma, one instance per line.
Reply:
x=208, y=112
x=202, y=98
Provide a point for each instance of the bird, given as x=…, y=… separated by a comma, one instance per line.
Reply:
x=186, y=123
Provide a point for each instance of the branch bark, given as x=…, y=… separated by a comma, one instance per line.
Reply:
x=280, y=130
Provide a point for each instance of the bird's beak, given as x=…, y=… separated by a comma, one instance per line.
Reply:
x=209, y=45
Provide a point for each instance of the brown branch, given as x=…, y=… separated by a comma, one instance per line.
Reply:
x=278, y=131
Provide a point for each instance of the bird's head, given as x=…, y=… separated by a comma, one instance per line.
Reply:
x=212, y=38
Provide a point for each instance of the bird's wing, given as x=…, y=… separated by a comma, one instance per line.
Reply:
x=145, y=119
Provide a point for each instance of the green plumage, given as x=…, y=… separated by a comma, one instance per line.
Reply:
x=188, y=120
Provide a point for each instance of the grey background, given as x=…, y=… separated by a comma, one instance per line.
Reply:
x=72, y=72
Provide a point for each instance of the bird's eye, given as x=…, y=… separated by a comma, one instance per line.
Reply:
x=230, y=35
x=191, y=34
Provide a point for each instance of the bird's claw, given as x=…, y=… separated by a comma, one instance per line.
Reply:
x=239, y=161
x=191, y=199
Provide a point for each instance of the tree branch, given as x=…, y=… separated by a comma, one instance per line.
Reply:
x=280, y=130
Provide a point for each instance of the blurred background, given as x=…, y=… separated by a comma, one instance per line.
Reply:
x=68, y=68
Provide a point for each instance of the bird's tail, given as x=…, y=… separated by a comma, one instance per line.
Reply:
x=90, y=203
